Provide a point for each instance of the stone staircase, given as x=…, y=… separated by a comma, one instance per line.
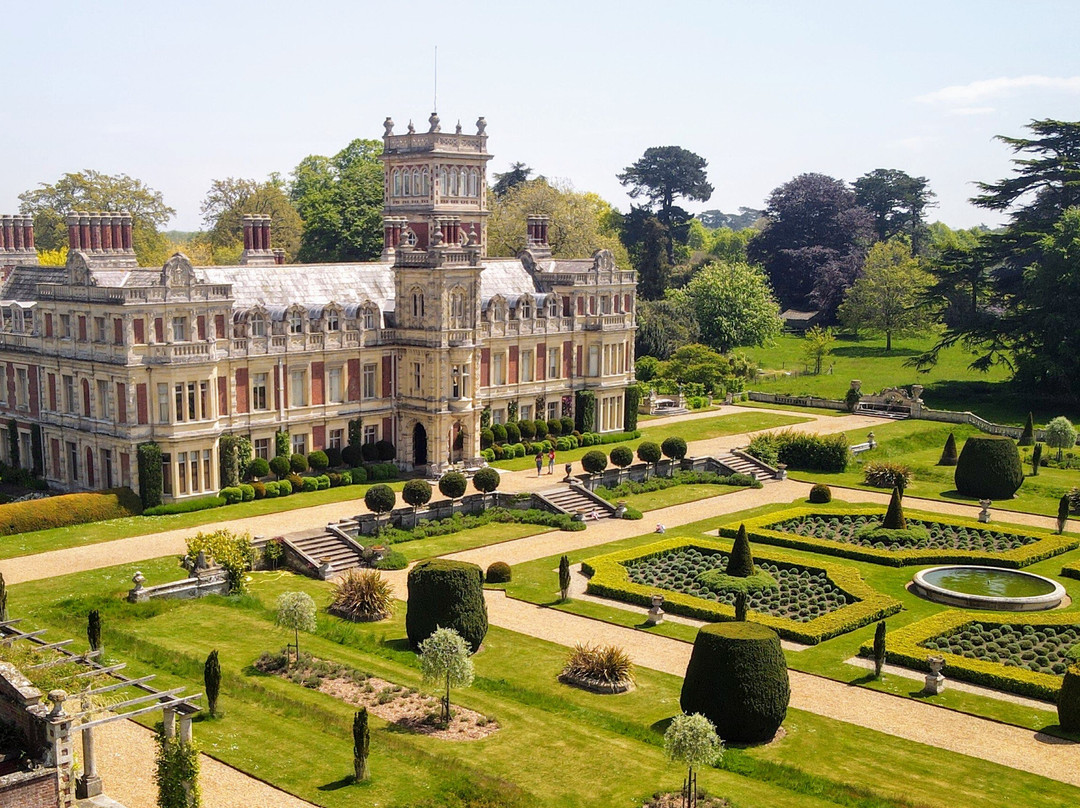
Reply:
x=742, y=464
x=574, y=499
x=326, y=546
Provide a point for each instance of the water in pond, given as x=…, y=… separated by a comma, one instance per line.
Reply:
x=989, y=583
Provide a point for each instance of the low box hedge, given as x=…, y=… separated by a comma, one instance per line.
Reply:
x=1048, y=544
x=904, y=647
x=186, y=506
x=68, y=509
x=609, y=578
x=1071, y=570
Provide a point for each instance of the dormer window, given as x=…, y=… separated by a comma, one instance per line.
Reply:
x=525, y=309
x=333, y=322
x=296, y=322
x=369, y=318
x=258, y=325
x=553, y=307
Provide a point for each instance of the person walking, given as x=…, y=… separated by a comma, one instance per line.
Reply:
x=551, y=461
x=539, y=463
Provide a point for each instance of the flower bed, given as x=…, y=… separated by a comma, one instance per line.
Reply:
x=997, y=650
x=810, y=603
x=948, y=539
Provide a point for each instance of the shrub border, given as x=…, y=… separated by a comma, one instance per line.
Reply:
x=609, y=578
x=903, y=647
x=1048, y=544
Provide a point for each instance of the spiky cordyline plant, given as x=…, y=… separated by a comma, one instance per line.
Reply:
x=609, y=664
x=362, y=595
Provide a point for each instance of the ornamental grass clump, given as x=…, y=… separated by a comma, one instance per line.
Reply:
x=362, y=595
x=886, y=475
x=606, y=668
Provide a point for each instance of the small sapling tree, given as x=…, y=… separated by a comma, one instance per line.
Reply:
x=296, y=610
x=361, y=745
x=692, y=739
x=879, y=649
x=564, y=577
x=1060, y=434
x=212, y=681
x=444, y=659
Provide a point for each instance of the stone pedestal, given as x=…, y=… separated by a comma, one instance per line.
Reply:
x=620, y=509
x=984, y=514
x=935, y=682
x=656, y=614
x=781, y=471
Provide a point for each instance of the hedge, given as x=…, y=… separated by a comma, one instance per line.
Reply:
x=804, y=451
x=446, y=594
x=1048, y=545
x=186, y=506
x=1071, y=570
x=148, y=460
x=609, y=578
x=905, y=648
x=68, y=509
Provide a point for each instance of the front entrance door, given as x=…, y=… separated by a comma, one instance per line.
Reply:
x=420, y=454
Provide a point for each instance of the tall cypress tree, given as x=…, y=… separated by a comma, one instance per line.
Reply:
x=361, y=745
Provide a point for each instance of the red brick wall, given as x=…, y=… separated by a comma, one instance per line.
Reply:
x=318, y=437
x=37, y=790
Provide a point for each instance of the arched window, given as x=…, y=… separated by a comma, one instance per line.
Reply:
x=296, y=322
x=457, y=309
x=474, y=183
x=397, y=183
x=525, y=309
x=553, y=307
x=417, y=189
x=369, y=317
x=258, y=325
x=498, y=311
x=406, y=183
x=333, y=321
x=425, y=187
x=454, y=179
x=442, y=189
x=417, y=303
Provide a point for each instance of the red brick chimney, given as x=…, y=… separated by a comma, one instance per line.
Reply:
x=17, y=240
x=257, y=249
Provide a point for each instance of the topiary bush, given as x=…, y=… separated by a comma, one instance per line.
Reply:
x=622, y=456
x=416, y=493
x=298, y=463
x=674, y=447
x=948, y=454
x=741, y=563
x=989, y=467
x=1069, y=700
x=258, y=468
x=499, y=431
x=498, y=573
x=594, y=461
x=380, y=499
x=446, y=594
x=1027, y=437
x=318, y=460
x=385, y=451
x=894, y=516
x=280, y=466
x=738, y=679
x=820, y=494
x=513, y=433
x=452, y=485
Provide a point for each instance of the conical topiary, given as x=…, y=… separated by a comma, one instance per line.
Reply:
x=1036, y=459
x=1062, y=514
x=894, y=517
x=949, y=454
x=741, y=563
x=1069, y=700
x=1027, y=437
x=3, y=599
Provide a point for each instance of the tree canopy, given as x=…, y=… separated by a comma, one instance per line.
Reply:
x=897, y=201
x=887, y=297
x=92, y=190
x=733, y=305
x=340, y=199
x=813, y=243
x=663, y=326
x=505, y=182
x=228, y=200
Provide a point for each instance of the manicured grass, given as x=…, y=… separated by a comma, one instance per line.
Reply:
x=536, y=582
x=764, y=405
x=692, y=430
x=950, y=385
x=493, y=533
x=918, y=444
x=551, y=739
x=677, y=495
x=79, y=535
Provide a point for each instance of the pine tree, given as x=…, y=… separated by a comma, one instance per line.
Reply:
x=879, y=649
x=212, y=681
x=1027, y=437
x=361, y=745
x=741, y=563
x=894, y=517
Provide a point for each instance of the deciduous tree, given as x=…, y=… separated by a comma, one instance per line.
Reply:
x=887, y=296
x=444, y=658
x=733, y=306
x=818, y=343
x=228, y=200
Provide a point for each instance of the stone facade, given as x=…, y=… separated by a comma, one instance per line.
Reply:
x=102, y=355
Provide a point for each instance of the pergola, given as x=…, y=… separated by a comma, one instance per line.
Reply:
x=173, y=703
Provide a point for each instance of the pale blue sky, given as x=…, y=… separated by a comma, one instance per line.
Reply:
x=181, y=93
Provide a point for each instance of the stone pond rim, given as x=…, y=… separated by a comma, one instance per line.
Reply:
x=931, y=584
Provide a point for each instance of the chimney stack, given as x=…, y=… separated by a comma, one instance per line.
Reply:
x=104, y=237
x=17, y=240
x=257, y=249
x=536, y=236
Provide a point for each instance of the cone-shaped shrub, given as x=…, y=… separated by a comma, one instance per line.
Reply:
x=446, y=594
x=1062, y=515
x=738, y=679
x=212, y=681
x=361, y=745
x=879, y=648
x=1036, y=459
x=1069, y=700
x=741, y=562
x=948, y=454
x=989, y=468
x=1027, y=437
x=894, y=517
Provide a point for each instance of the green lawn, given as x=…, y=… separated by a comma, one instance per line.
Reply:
x=535, y=582
x=950, y=385
x=696, y=429
x=553, y=740
x=677, y=495
x=60, y=538
x=918, y=444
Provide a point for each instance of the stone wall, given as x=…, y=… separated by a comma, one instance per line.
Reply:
x=33, y=789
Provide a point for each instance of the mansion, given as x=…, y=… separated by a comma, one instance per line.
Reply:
x=102, y=355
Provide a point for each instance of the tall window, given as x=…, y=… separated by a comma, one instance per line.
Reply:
x=498, y=368
x=99, y=329
x=553, y=363
x=525, y=413
x=195, y=471
x=163, y=403
x=333, y=386
x=73, y=461
x=417, y=303
x=525, y=309
x=103, y=399
x=457, y=309
x=594, y=360
x=69, y=394
x=553, y=307
x=204, y=400
x=418, y=377
x=179, y=329
x=459, y=381
x=337, y=438
x=206, y=468
x=406, y=184
x=369, y=318
x=369, y=380
x=258, y=325
x=65, y=326
x=299, y=444
x=296, y=322
x=181, y=472
x=297, y=388
x=397, y=183
x=258, y=391
x=371, y=434
x=166, y=474
x=333, y=321
x=22, y=389
x=3, y=383
x=425, y=184
x=527, y=365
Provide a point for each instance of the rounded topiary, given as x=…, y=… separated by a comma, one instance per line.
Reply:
x=820, y=494
x=622, y=456
x=258, y=467
x=453, y=485
x=674, y=447
x=498, y=573
x=280, y=466
x=594, y=462
x=298, y=463
x=1069, y=700
x=738, y=679
x=416, y=493
x=446, y=594
x=948, y=454
x=989, y=467
x=741, y=562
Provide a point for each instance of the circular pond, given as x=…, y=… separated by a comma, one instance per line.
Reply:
x=975, y=587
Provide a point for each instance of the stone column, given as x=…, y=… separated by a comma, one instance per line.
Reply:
x=60, y=753
x=89, y=785
x=168, y=722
